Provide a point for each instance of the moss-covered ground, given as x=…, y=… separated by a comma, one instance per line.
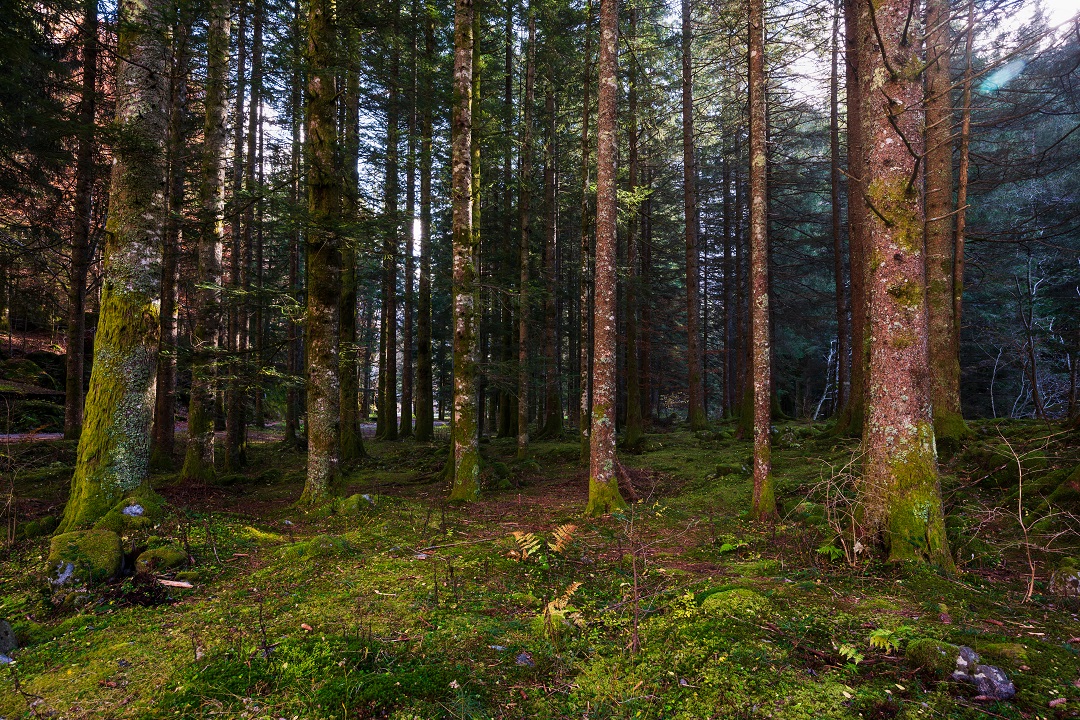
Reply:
x=399, y=605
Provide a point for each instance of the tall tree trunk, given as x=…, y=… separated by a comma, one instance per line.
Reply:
x=900, y=489
x=114, y=448
x=763, y=503
x=352, y=444
x=85, y=173
x=645, y=283
x=553, y=413
x=294, y=353
x=163, y=432
x=962, y=185
x=247, y=328
x=731, y=313
x=506, y=404
x=323, y=255
x=199, y=457
x=949, y=427
x=604, y=493
x=234, y=394
x=406, y=429
x=584, y=268
x=694, y=359
x=466, y=453
x=632, y=433
x=424, y=411
x=524, y=211
x=851, y=420
x=837, y=227
x=391, y=243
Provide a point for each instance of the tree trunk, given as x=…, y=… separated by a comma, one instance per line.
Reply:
x=506, y=404
x=524, y=211
x=85, y=173
x=114, y=448
x=163, y=432
x=584, y=269
x=694, y=361
x=424, y=411
x=553, y=413
x=949, y=427
x=294, y=352
x=406, y=429
x=634, y=430
x=323, y=255
x=234, y=395
x=352, y=443
x=645, y=300
x=465, y=484
x=731, y=313
x=900, y=490
x=248, y=328
x=199, y=457
x=391, y=245
x=763, y=505
x=962, y=185
x=837, y=228
x=604, y=493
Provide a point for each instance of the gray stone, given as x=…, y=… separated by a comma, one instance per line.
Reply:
x=134, y=510
x=7, y=638
x=991, y=682
x=5, y=660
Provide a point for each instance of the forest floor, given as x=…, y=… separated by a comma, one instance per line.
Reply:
x=398, y=605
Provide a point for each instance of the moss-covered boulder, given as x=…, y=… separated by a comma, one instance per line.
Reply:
x=142, y=509
x=86, y=556
x=38, y=528
x=1065, y=580
x=1007, y=464
x=168, y=557
x=354, y=504
x=318, y=546
x=932, y=656
x=737, y=602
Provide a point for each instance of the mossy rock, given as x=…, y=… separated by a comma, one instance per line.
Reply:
x=86, y=555
x=168, y=557
x=1006, y=468
x=316, y=547
x=934, y=656
x=140, y=510
x=262, y=537
x=735, y=602
x=1067, y=493
x=38, y=528
x=354, y=504
x=725, y=470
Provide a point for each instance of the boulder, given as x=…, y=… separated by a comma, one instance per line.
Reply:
x=168, y=557
x=990, y=681
x=86, y=556
x=7, y=638
x=933, y=656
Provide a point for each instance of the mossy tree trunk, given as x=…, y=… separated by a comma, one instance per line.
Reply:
x=553, y=412
x=525, y=214
x=114, y=448
x=199, y=456
x=604, y=495
x=632, y=433
x=85, y=173
x=323, y=253
x=763, y=503
x=425, y=419
x=900, y=489
x=465, y=448
x=694, y=358
x=949, y=427
x=584, y=267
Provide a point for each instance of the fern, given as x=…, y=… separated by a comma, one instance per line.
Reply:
x=557, y=611
x=527, y=545
x=889, y=640
x=562, y=537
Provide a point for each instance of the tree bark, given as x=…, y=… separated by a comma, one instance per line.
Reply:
x=506, y=402
x=694, y=360
x=604, y=495
x=763, y=503
x=391, y=245
x=900, y=489
x=85, y=174
x=465, y=483
x=199, y=457
x=553, y=413
x=524, y=211
x=584, y=267
x=634, y=430
x=114, y=448
x=323, y=255
x=406, y=429
x=248, y=327
x=294, y=352
x=424, y=411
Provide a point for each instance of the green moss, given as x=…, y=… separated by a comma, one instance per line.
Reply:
x=950, y=431
x=262, y=537
x=94, y=555
x=914, y=522
x=604, y=497
x=316, y=547
x=1006, y=653
x=736, y=602
x=933, y=656
x=162, y=558
x=906, y=293
x=896, y=202
x=153, y=512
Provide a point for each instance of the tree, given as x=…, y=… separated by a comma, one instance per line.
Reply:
x=114, y=448
x=323, y=255
x=465, y=484
x=632, y=436
x=763, y=505
x=694, y=362
x=604, y=493
x=584, y=414
x=199, y=457
x=901, y=490
x=524, y=212
x=424, y=412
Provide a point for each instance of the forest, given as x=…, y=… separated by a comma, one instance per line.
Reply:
x=539, y=359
